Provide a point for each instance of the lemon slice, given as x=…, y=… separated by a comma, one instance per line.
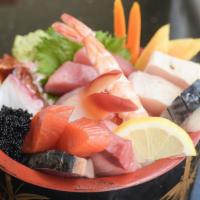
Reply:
x=154, y=138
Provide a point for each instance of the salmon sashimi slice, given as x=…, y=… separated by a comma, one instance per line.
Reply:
x=180, y=72
x=84, y=137
x=46, y=128
x=155, y=92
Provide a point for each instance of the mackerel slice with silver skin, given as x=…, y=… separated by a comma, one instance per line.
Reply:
x=62, y=164
x=184, y=105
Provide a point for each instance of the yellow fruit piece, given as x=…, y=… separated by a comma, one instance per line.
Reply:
x=159, y=42
x=184, y=48
x=154, y=138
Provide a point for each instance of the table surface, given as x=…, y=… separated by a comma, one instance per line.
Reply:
x=23, y=16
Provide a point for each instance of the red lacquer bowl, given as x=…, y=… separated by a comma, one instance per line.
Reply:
x=90, y=185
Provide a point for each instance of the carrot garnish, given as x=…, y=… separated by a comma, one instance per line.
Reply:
x=119, y=19
x=134, y=31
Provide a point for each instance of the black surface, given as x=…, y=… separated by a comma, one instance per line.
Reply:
x=23, y=16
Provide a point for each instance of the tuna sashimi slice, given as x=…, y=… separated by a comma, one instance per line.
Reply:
x=126, y=66
x=155, y=92
x=62, y=164
x=70, y=76
x=116, y=159
x=13, y=93
x=180, y=72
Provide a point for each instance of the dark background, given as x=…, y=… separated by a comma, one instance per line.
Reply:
x=23, y=16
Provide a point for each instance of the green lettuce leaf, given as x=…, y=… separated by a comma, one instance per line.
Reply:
x=24, y=45
x=53, y=51
x=113, y=44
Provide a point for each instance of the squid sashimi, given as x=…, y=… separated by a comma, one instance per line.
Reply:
x=15, y=94
x=46, y=128
x=180, y=72
x=84, y=137
x=126, y=67
x=101, y=59
x=70, y=76
x=62, y=164
x=116, y=159
x=155, y=92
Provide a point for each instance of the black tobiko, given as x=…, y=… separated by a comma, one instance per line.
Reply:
x=14, y=125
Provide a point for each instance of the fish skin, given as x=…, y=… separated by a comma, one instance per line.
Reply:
x=62, y=164
x=184, y=105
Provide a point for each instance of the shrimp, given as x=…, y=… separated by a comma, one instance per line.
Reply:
x=101, y=59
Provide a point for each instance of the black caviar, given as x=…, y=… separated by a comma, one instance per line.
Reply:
x=14, y=125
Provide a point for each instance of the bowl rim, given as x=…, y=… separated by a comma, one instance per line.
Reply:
x=102, y=184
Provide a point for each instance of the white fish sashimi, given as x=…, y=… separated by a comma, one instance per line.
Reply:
x=155, y=92
x=180, y=72
x=191, y=124
x=73, y=98
x=16, y=95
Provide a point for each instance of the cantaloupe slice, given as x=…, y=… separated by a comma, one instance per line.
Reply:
x=184, y=48
x=159, y=42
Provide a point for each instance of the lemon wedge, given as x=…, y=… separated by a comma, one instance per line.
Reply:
x=154, y=138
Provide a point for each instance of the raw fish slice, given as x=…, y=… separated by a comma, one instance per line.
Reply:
x=70, y=76
x=62, y=164
x=74, y=99
x=46, y=128
x=184, y=105
x=126, y=66
x=191, y=124
x=116, y=159
x=155, y=92
x=110, y=125
x=15, y=94
x=112, y=103
x=84, y=137
x=104, y=166
x=180, y=72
